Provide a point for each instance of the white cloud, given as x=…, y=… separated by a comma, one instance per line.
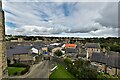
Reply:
x=62, y=0
x=81, y=19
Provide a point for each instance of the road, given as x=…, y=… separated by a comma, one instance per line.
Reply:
x=41, y=70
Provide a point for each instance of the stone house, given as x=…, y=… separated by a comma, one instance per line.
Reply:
x=90, y=48
x=24, y=58
x=113, y=63
x=21, y=54
x=107, y=63
x=71, y=52
x=98, y=61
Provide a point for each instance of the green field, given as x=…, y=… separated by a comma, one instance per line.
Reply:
x=13, y=70
x=61, y=72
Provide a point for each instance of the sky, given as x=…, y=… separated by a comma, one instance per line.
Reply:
x=61, y=18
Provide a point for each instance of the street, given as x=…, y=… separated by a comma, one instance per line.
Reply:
x=41, y=70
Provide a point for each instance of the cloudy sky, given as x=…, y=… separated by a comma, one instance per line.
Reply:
x=76, y=19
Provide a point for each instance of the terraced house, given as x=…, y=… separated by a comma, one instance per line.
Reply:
x=107, y=63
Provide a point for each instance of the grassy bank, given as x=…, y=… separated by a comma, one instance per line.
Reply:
x=61, y=72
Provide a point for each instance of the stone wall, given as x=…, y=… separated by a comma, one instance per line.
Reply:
x=3, y=59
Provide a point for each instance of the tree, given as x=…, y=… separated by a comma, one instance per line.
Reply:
x=80, y=69
x=115, y=47
x=58, y=53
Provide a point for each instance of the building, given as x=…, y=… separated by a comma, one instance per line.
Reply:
x=22, y=54
x=3, y=59
x=106, y=63
x=90, y=48
x=69, y=46
x=45, y=49
x=20, y=39
x=98, y=61
x=24, y=58
x=71, y=52
x=113, y=63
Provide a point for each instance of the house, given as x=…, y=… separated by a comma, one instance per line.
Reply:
x=71, y=52
x=36, y=49
x=20, y=39
x=24, y=58
x=98, y=61
x=107, y=63
x=113, y=63
x=45, y=49
x=69, y=46
x=21, y=54
x=92, y=47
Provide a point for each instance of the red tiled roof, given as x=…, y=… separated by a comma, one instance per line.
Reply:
x=70, y=45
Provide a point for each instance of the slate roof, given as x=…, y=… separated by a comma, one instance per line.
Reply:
x=19, y=50
x=98, y=57
x=71, y=50
x=92, y=45
x=111, y=59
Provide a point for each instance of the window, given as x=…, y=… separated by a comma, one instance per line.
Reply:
x=110, y=68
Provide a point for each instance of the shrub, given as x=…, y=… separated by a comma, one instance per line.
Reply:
x=26, y=70
x=16, y=73
x=17, y=65
x=58, y=53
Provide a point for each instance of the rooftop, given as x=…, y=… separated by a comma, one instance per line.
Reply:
x=92, y=45
x=70, y=45
x=111, y=59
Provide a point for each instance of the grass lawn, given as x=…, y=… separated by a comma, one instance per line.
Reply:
x=12, y=70
x=61, y=72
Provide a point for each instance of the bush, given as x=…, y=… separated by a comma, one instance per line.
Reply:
x=26, y=70
x=17, y=65
x=16, y=73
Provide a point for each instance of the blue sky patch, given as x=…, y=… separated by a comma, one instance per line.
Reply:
x=10, y=24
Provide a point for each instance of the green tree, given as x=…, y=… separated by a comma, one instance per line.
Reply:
x=80, y=69
x=58, y=53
